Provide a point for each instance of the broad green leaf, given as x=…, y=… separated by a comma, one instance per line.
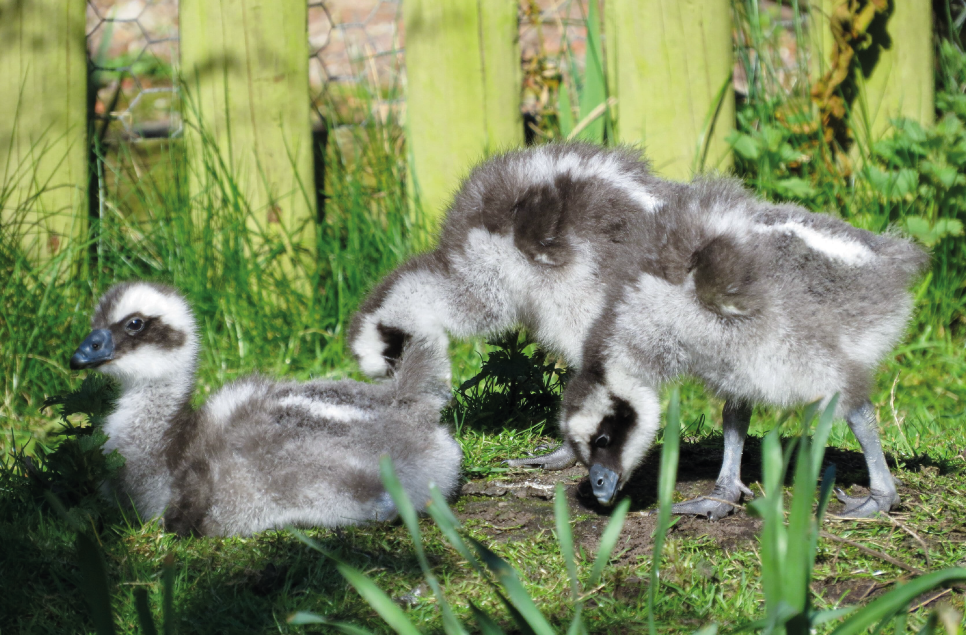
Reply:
x=773, y=138
x=794, y=187
x=905, y=182
x=948, y=227
x=745, y=146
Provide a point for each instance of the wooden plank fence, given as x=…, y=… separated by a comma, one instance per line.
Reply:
x=43, y=123
x=245, y=65
x=668, y=65
x=463, y=91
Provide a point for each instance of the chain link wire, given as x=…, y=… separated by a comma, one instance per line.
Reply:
x=356, y=61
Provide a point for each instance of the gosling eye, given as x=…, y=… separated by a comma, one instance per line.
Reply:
x=602, y=441
x=134, y=326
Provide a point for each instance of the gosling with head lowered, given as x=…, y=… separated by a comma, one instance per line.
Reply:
x=260, y=454
x=766, y=304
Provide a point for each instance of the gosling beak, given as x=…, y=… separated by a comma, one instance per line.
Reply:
x=604, y=483
x=97, y=349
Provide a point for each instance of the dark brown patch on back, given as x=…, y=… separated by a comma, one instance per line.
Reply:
x=540, y=220
x=724, y=277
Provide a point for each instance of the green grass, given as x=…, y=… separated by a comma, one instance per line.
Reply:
x=255, y=316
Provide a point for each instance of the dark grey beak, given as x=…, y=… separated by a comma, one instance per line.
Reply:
x=93, y=351
x=604, y=482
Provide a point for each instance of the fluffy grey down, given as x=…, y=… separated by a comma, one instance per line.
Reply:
x=261, y=453
x=767, y=304
x=635, y=281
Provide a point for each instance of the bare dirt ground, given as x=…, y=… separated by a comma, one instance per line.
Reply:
x=519, y=506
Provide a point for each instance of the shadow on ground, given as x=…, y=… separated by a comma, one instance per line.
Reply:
x=519, y=505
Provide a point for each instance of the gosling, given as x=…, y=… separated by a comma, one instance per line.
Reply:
x=766, y=304
x=260, y=454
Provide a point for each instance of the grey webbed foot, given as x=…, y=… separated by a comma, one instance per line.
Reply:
x=560, y=459
x=865, y=506
x=714, y=509
x=385, y=509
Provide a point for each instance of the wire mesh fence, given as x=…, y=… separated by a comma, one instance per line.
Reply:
x=356, y=61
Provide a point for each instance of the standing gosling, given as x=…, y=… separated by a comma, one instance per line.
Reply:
x=767, y=304
x=260, y=454
x=533, y=238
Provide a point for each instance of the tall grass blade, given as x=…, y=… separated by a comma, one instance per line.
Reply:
x=408, y=513
x=145, y=619
x=769, y=508
x=95, y=587
x=577, y=625
x=565, y=111
x=565, y=537
x=302, y=618
x=666, y=479
x=707, y=132
x=167, y=595
x=593, y=92
x=516, y=615
x=486, y=624
x=897, y=599
x=608, y=540
x=378, y=600
x=447, y=523
x=514, y=588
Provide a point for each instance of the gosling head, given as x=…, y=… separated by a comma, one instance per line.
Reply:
x=610, y=425
x=141, y=332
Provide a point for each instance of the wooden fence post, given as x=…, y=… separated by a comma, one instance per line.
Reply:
x=669, y=64
x=43, y=123
x=896, y=78
x=463, y=91
x=246, y=78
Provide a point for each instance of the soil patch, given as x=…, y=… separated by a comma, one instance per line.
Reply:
x=519, y=504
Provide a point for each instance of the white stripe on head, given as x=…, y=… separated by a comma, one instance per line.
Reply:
x=151, y=302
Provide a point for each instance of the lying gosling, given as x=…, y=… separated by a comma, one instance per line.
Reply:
x=260, y=454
